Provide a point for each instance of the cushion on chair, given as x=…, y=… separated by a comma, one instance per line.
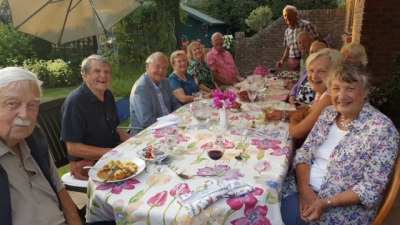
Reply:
x=70, y=180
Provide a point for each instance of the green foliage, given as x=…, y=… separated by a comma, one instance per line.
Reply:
x=148, y=29
x=386, y=97
x=259, y=18
x=234, y=12
x=14, y=45
x=277, y=6
x=53, y=73
x=124, y=77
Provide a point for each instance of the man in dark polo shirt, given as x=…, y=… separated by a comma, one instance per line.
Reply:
x=292, y=52
x=89, y=117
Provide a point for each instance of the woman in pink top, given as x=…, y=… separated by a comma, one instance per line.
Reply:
x=303, y=120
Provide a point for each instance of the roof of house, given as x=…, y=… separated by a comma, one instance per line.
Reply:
x=201, y=16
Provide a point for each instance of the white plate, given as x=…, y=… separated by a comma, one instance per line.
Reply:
x=93, y=171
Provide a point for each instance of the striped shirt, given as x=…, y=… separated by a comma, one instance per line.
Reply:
x=290, y=39
x=160, y=98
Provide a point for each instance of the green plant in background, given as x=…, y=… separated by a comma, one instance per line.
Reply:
x=147, y=29
x=53, y=73
x=386, y=97
x=259, y=18
x=15, y=45
x=229, y=44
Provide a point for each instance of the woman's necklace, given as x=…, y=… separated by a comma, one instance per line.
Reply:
x=346, y=125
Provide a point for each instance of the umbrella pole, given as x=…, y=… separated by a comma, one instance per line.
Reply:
x=99, y=50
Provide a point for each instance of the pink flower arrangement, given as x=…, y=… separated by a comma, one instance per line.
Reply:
x=226, y=99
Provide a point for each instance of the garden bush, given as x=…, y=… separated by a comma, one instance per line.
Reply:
x=54, y=73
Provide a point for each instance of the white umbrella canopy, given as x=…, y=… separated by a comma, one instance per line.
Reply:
x=62, y=21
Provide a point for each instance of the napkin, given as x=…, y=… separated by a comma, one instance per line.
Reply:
x=214, y=189
x=166, y=121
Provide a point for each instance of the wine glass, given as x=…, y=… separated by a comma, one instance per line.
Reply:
x=159, y=153
x=268, y=108
x=197, y=96
x=216, y=154
x=183, y=125
x=171, y=141
x=252, y=93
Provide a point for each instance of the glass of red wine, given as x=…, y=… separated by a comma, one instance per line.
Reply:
x=215, y=154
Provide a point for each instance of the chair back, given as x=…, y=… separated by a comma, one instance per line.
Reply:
x=123, y=109
x=49, y=119
x=390, y=195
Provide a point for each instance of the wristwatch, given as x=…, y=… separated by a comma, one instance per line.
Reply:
x=284, y=115
x=329, y=203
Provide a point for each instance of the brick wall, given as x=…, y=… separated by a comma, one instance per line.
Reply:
x=378, y=29
x=266, y=47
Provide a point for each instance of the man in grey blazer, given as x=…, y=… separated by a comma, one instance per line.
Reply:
x=151, y=95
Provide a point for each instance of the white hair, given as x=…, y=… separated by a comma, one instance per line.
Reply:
x=12, y=76
x=153, y=57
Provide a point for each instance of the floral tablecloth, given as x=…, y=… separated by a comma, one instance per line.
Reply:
x=150, y=198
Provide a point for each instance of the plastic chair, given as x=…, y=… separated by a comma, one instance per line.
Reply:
x=49, y=119
x=123, y=111
x=390, y=195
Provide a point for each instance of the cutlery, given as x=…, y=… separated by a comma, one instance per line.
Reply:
x=145, y=166
x=113, y=170
x=184, y=176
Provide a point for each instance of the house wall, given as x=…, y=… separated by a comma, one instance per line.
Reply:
x=377, y=27
x=266, y=47
x=192, y=30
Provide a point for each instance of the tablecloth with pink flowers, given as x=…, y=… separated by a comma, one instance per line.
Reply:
x=150, y=198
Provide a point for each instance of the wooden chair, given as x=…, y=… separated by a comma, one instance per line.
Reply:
x=390, y=195
x=49, y=119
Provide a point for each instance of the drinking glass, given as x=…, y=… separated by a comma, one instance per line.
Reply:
x=183, y=125
x=197, y=96
x=252, y=93
x=159, y=153
x=216, y=154
x=171, y=140
x=202, y=111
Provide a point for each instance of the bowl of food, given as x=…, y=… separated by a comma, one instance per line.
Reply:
x=115, y=170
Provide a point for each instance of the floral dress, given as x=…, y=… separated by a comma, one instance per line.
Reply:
x=362, y=161
x=203, y=73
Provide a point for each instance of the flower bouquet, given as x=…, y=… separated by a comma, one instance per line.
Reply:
x=224, y=100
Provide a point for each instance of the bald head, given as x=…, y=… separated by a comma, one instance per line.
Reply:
x=217, y=40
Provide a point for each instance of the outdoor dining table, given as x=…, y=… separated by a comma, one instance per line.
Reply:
x=150, y=198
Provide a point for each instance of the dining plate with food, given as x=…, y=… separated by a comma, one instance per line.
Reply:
x=115, y=170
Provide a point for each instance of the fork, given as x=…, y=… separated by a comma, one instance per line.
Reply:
x=113, y=170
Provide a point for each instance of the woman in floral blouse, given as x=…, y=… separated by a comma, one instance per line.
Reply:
x=199, y=68
x=344, y=165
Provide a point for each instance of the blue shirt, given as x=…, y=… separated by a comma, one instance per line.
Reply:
x=189, y=86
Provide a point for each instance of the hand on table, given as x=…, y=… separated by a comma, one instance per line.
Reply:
x=275, y=115
x=208, y=95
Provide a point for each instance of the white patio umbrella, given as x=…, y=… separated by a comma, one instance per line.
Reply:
x=62, y=21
